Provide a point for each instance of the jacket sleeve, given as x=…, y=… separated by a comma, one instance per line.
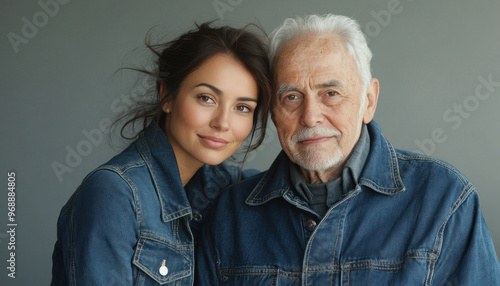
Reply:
x=97, y=232
x=467, y=255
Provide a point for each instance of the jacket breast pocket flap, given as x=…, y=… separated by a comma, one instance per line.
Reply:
x=163, y=261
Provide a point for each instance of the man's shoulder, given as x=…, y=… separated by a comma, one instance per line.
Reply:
x=428, y=166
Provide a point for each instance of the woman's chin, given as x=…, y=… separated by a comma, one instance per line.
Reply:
x=213, y=160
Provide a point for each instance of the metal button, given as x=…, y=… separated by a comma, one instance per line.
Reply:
x=310, y=225
x=163, y=268
x=197, y=216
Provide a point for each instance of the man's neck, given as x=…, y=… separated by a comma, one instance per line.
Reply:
x=320, y=177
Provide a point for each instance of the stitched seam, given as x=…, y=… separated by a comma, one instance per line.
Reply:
x=429, y=275
x=262, y=270
x=261, y=186
x=439, y=162
x=146, y=270
x=268, y=195
x=172, y=214
x=392, y=161
x=337, y=238
x=443, y=225
x=173, y=245
x=372, y=263
x=375, y=184
x=438, y=242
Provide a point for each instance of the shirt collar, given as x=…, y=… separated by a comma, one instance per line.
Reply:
x=348, y=178
x=159, y=157
x=380, y=172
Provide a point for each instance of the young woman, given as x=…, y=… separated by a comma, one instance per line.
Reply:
x=134, y=220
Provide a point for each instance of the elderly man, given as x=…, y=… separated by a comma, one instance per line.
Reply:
x=340, y=205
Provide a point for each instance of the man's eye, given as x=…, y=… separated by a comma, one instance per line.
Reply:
x=331, y=93
x=291, y=97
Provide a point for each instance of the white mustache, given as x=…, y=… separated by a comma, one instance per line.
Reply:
x=314, y=132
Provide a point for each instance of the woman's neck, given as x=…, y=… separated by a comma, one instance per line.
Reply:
x=187, y=170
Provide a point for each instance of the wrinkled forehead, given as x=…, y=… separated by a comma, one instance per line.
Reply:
x=313, y=56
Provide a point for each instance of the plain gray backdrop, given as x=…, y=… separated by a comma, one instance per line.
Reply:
x=437, y=62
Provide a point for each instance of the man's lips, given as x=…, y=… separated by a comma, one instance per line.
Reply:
x=316, y=140
x=213, y=142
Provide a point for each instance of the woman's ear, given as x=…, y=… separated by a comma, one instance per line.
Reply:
x=163, y=93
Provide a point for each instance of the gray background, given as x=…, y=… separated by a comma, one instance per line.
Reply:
x=430, y=57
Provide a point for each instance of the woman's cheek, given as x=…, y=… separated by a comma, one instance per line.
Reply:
x=242, y=128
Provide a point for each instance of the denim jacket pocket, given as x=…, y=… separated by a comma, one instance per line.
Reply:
x=162, y=260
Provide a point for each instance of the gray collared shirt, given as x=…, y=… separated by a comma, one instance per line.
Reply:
x=321, y=197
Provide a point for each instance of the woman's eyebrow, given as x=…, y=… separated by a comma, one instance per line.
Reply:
x=247, y=99
x=220, y=93
x=213, y=88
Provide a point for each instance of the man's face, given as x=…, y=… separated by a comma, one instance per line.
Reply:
x=318, y=109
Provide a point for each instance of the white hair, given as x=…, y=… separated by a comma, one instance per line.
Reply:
x=348, y=29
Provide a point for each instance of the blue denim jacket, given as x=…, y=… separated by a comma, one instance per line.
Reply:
x=411, y=220
x=132, y=216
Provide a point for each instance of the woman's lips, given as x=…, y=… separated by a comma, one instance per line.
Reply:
x=213, y=142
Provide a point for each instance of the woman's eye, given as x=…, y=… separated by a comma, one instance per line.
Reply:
x=243, y=108
x=205, y=98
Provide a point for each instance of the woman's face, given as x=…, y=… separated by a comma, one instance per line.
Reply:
x=213, y=112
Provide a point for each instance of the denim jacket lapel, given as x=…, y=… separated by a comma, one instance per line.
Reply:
x=381, y=173
x=159, y=156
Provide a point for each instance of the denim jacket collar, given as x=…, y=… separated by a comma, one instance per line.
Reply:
x=157, y=153
x=381, y=173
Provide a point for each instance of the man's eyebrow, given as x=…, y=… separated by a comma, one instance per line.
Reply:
x=331, y=83
x=213, y=88
x=286, y=88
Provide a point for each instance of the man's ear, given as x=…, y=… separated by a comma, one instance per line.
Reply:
x=163, y=93
x=371, y=100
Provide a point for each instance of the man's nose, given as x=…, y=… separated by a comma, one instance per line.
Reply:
x=312, y=113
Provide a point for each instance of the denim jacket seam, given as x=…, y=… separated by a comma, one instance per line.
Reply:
x=372, y=264
x=373, y=185
x=461, y=198
x=269, y=195
x=257, y=271
x=338, y=234
x=408, y=256
x=152, y=275
x=118, y=172
x=394, y=163
x=260, y=186
x=172, y=216
x=165, y=240
x=133, y=188
x=443, y=164
x=438, y=243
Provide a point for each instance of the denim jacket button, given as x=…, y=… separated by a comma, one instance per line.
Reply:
x=163, y=269
x=197, y=216
x=310, y=225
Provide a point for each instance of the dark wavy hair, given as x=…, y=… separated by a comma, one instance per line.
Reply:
x=176, y=59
